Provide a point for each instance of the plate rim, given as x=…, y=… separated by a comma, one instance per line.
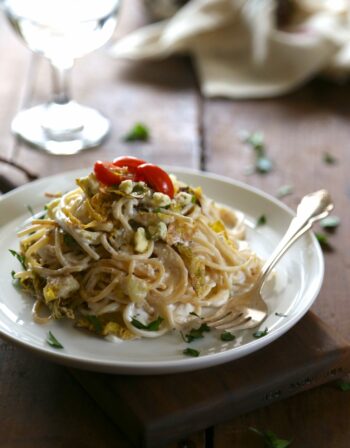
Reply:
x=173, y=365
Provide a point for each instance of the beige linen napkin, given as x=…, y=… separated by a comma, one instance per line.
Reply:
x=240, y=52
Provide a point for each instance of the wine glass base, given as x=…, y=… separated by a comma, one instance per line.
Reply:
x=29, y=125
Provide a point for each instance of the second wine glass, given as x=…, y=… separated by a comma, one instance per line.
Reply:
x=62, y=30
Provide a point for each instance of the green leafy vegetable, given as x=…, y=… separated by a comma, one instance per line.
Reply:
x=344, y=385
x=261, y=333
x=322, y=238
x=196, y=333
x=270, y=439
x=52, y=341
x=227, y=336
x=30, y=210
x=95, y=322
x=284, y=190
x=19, y=257
x=191, y=352
x=256, y=141
x=329, y=159
x=330, y=222
x=152, y=326
x=13, y=273
x=261, y=221
x=138, y=133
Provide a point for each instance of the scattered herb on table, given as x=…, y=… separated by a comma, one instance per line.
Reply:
x=52, y=341
x=330, y=222
x=138, y=133
x=281, y=315
x=284, y=191
x=256, y=141
x=344, y=385
x=191, y=352
x=322, y=238
x=19, y=257
x=227, y=336
x=196, y=333
x=271, y=440
x=30, y=210
x=152, y=326
x=261, y=221
x=260, y=333
x=329, y=159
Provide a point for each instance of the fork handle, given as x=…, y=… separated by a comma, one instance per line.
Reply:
x=312, y=208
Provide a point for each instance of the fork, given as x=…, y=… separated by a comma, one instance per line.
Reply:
x=247, y=310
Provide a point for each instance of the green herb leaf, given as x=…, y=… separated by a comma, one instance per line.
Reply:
x=191, y=352
x=196, y=333
x=329, y=158
x=30, y=210
x=138, y=133
x=263, y=164
x=261, y=333
x=330, y=222
x=52, y=341
x=192, y=313
x=270, y=439
x=254, y=139
x=323, y=240
x=227, y=336
x=344, y=385
x=261, y=221
x=284, y=190
x=281, y=315
x=69, y=240
x=13, y=273
x=19, y=257
x=152, y=326
x=95, y=322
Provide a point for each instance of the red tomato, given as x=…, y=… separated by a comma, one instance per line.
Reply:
x=156, y=178
x=131, y=163
x=105, y=175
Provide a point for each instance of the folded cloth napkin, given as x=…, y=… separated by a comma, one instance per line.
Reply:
x=241, y=51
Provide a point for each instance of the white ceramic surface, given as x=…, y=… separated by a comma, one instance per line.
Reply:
x=298, y=280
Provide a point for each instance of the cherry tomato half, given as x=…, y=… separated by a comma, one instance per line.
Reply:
x=131, y=163
x=105, y=175
x=156, y=178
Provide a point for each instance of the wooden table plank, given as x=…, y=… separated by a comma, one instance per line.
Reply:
x=298, y=129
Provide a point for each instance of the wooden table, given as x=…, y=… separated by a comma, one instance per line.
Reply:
x=40, y=404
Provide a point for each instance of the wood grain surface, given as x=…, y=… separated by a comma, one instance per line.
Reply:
x=40, y=404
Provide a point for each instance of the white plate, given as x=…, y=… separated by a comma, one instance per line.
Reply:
x=299, y=278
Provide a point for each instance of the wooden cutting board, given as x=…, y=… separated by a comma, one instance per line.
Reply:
x=155, y=410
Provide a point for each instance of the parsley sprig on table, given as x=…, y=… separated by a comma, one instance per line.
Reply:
x=138, y=133
x=256, y=141
x=271, y=440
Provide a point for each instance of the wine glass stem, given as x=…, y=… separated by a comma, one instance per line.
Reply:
x=61, y=83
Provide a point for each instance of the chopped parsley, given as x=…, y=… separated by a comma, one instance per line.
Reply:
x=256, y=141
x=196, y=333
x=284, y=190
x=270, y=439
x=191, y=352
x=152, y=326
x=30, y=210
x=281, y=315
x=329, y=159
x=227, y=336
x=261, y=221
x=52, y=341
x=322, y=238
x=19, y=257
x=260, y=333
x=192, y=313
x=330, y=222
x=344, y=386
x=95, y=322
x=13, y=273
x=138, y=133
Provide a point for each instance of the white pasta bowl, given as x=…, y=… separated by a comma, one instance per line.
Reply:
x=298, y=280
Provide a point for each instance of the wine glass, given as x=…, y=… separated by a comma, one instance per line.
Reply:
x=62, y=30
